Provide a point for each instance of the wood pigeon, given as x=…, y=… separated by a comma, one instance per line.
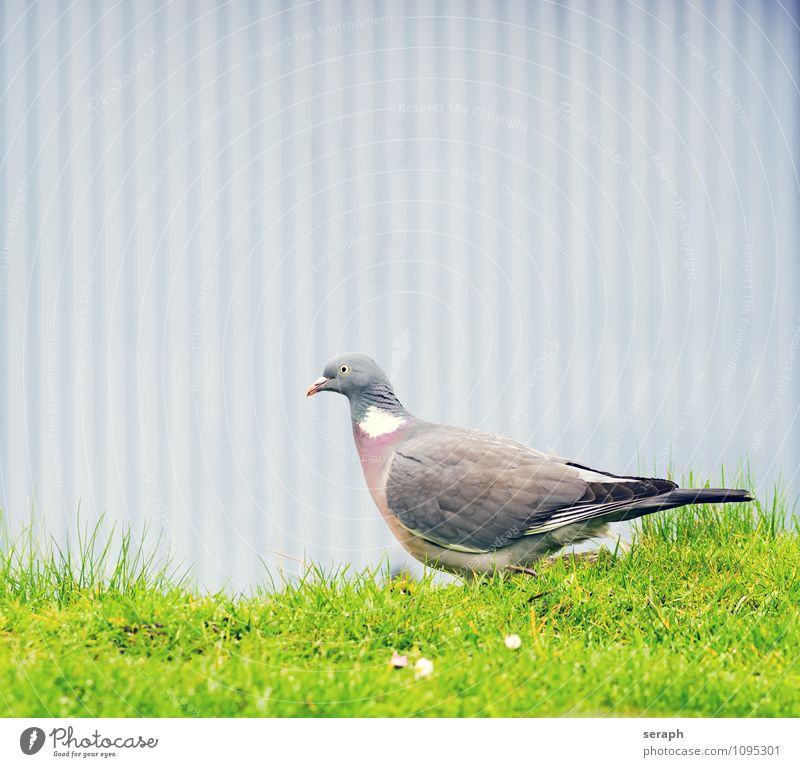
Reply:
x=469, y=502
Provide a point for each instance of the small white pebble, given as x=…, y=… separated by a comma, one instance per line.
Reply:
x=513, y=642
x=398, y=661
x=423, y=668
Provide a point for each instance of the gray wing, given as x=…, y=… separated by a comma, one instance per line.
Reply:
x=477, y=492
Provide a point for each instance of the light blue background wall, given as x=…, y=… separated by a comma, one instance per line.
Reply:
x=202, y=202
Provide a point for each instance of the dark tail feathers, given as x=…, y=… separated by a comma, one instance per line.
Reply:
x=681, y=497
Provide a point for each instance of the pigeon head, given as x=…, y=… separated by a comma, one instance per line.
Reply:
x=361, y=380
x=350, y=374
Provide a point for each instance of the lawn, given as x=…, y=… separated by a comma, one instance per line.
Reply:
x=700, y=618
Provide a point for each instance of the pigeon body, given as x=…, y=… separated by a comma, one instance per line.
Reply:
x=471, y=502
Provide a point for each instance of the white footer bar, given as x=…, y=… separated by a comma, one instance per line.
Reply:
x=407, y=742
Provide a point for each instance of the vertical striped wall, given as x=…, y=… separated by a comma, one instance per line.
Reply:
x=574, y=223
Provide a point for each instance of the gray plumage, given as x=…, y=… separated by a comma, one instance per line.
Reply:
x=468, y=501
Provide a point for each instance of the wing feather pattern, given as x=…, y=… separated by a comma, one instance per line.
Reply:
x=477, y=492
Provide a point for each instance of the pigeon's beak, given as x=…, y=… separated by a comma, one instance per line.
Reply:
x=317, y=385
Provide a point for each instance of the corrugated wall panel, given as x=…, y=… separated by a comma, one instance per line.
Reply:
x=575, y=224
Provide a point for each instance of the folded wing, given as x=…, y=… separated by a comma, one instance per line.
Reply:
x=478, y=492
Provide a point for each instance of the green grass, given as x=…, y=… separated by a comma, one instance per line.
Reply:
x=701, y=618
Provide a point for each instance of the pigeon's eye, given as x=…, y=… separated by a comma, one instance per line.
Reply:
x=344, y=369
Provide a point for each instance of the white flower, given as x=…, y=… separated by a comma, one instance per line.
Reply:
x=423, y=668
x=513, y=642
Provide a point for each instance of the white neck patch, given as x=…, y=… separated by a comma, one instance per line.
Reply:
x=377, y=422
